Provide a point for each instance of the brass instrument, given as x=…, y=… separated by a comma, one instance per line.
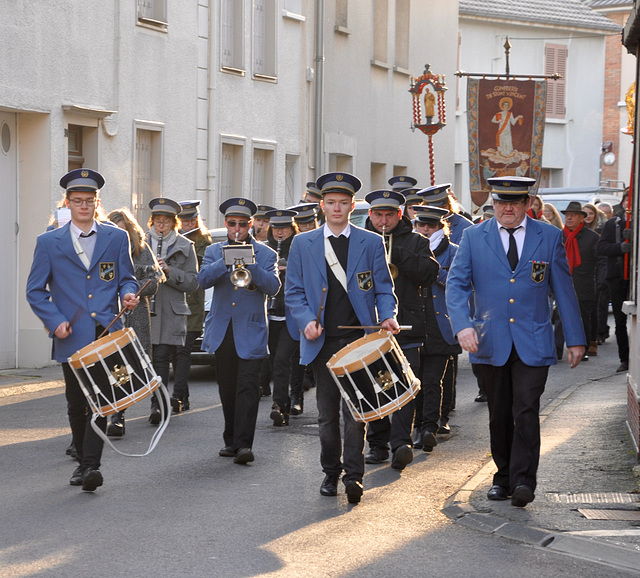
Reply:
x=272, y=300
x=240, y=276
x=393, y=269
x=152, y=301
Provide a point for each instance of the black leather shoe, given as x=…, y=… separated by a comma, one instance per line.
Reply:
x=402, y=457
x=354, y=491
x=91, y=480
x=429, y=441
x=497, y=493
x=296, y=406
x=277, y=417
x=444, y=428
x=243, y=456
x=154, y=418
x=227, y=452
x=329, y=486
x=376, y=455
x=265, y=391
x=185, y=404
x=76, y=476
x=481, y=398
x=116, y=427
x=176, y=404
x=522, y=496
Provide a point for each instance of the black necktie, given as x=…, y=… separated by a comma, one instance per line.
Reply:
x=85, y=235
x=512, y=253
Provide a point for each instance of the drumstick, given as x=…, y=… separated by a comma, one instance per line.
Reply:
x=402, y=327
x=123, y=310
x=322, y=302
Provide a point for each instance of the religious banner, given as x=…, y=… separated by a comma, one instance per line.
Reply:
x=506, y=129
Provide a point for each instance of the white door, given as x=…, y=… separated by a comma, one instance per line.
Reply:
x=8, y=239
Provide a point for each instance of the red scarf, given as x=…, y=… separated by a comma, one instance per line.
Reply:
x=571, y=246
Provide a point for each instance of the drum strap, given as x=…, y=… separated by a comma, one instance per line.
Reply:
x=332, y=261
x=80, y=251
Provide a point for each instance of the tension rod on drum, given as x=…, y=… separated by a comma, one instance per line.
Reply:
x=402, y=327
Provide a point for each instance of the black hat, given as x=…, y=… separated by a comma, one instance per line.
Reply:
x=163, y=206
x=488, y=212
x=279, y=218
x=436, y=195
x=86, y=180
x=339, y=183
x=430, y=214
x=510, y=188
x=189, y=209
x=411, y=196
x=313, y=190
x=238, y=207
x=384, y=199
x=262, y=211
x=305, y=212
x=402, y=182
x=574, y=207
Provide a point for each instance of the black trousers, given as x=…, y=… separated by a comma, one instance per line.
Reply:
x=182, y=366
x=619, y=292
x=239, y=388
x=285, y=359
x=332, y=457
x=429, y=402
x=513, y=394
x=396, y=429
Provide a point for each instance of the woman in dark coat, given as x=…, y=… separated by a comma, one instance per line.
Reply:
x=146, y=268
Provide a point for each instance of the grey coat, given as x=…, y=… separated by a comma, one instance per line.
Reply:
x=169, y=325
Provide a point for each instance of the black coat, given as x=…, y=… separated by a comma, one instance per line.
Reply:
x=417, y=268
x=610, y=245
x=584, y=275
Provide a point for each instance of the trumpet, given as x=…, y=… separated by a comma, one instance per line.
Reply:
x=392, y=268
x=152, y=302
x=240, y=276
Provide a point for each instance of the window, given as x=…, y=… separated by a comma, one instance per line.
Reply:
x=555, y=61
x=402, y=34
x=231, y=35
x=147, y=169
x=231, y=170
x=340, y=163
x=262, y=173
x=342, y=12
x=293, y=6
x=264, y=39
x=75, y=159
x=379, y=176
x=380, y=23
x=292, y=192
x=153, y=13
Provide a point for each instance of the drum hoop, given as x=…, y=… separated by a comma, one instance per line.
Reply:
x=386, y=344
x=107, y=345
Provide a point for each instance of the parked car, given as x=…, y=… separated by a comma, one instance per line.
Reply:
x=561, y=197
x=360, y=213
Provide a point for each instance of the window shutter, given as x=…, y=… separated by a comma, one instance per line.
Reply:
x=259, y=38
x=556, y=62
x=227, y=32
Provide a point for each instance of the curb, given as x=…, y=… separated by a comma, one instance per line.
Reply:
x=460, y=511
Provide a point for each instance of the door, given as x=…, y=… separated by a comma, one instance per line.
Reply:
x=8, y=239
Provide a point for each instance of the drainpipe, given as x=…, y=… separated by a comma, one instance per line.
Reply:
x=319, y=88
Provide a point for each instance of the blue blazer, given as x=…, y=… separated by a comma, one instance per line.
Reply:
x=438, y=292
x=457, y=226
x=513, y=308
x=247, y=310
x=60, y=288
x=307, y=276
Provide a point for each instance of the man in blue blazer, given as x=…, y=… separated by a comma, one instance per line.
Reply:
x=508, y=266
x=78, y=273
x=356, y=290
x=236, y=327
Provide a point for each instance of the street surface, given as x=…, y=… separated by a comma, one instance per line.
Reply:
x=185, y=511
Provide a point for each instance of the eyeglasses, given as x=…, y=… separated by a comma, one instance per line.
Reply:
x=241, y=224
x=79, y=202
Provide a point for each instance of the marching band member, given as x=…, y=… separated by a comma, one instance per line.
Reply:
x=284, y=351
x=442, y=196
x=178, y=261
x=507, y=266
x=306, y=216
x=193, y=229
x=413, y=263
x=433, y=403
x=337, y=275
x=78, y=273
x=236, y=327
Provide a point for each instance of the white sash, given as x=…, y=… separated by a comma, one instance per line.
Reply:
x=332, y=261
x=80, y=251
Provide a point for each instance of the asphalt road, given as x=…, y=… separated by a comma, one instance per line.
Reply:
x=185, y=511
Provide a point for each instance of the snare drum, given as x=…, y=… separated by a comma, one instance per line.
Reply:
x=114, y=372
x=373, y=376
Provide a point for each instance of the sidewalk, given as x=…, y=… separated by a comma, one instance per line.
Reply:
x=586, y=468
x=18, y=381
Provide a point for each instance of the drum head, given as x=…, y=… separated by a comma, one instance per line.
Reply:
x=106, y=346
x=361, y=352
